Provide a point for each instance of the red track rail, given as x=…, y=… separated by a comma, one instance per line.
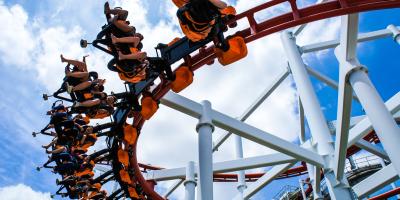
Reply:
x=386, y=195
x=258, y=30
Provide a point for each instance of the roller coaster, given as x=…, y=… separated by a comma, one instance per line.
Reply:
x=320, y=157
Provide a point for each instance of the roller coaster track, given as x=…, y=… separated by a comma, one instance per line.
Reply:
x=206, y=56
x=256, y=30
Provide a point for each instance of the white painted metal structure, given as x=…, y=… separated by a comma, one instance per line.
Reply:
x=320, y=152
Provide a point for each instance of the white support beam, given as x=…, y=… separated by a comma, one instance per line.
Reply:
x=205, y=128
x=244, y=130
x=372, y=149
x=190, y=182
x=316, y=183
x=396, y=32
x=346, y=53
x=364, y=126
x=250, y=110
x=376, y=181
x=315, y=179
x=173, y=188
x=223, y=167
x=303, y=192
x=312, y=109
x=330, y=82
x=265, y=180
x=363, y=37
x=239, y=155
x=382, y=120
x=302, y=135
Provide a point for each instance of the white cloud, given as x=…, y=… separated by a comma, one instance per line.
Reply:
x=16, y=41
x=21, y=191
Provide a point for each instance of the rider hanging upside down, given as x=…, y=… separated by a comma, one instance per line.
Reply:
x=79, y=78
x=98, y=96
x=118, y=17
x=135, y=43
x=80, y=69
x=99, y=104
x=198, y=17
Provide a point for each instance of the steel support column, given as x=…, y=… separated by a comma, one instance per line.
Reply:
x=396, y=33
x=364, y=127
x=302, y=134
x=312, y=109
x=303, y=193
x=241, y=174
x=380, y=117
x=315, y=180
x=205, y=129
x=190, y=182
x=346, y=54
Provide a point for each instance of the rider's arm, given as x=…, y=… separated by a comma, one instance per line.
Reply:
x=220, y=4
x=83, y=139
x=51, y=143
x=84, y=60
x=59, y=150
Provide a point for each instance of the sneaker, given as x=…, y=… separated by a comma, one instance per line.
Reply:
x=69, y=88
x=106, y=8
x=76, y=104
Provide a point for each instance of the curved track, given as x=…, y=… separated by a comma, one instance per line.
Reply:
x=255, y=31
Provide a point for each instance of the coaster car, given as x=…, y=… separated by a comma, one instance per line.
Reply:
x=203, y=26
x=132, y=71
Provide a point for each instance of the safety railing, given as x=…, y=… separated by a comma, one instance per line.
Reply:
x=286, y=192
x=363, y=162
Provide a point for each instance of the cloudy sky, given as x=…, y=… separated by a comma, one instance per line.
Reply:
x=34, y=34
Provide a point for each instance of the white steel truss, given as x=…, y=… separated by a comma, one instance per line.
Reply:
x=319, y=152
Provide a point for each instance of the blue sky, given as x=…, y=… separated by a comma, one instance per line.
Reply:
x=29, y=64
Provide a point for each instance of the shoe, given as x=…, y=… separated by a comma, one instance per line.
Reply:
x=106, y=8
x=76, y=104
x=69, y=88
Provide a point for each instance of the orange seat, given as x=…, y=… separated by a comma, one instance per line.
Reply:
x=140, y=75
x=149, y=107
x=123, y=157
x=133, y=193
x=201, y=29
x=125, y=176
x=136, y=79
x=85, y=173
x=237, y=50
x=184, y=77
x=173, y=41
x=98, y=115
x=130, y=134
